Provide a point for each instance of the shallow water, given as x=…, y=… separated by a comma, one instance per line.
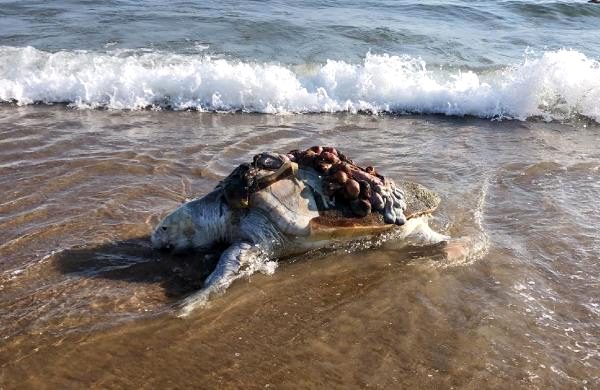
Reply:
x=112, y=114
x=84, y=301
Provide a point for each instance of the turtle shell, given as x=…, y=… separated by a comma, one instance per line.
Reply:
x=297, y=206
x=334, y=224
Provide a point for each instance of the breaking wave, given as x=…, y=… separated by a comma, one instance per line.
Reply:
x=555, y=85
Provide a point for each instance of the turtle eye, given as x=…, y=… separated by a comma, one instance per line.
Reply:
x=164, y=228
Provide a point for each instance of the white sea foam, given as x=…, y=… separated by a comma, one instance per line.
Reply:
x=554, y=85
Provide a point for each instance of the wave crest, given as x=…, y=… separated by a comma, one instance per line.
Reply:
x=555, y=85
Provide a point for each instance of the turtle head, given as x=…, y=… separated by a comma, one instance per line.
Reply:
x=189, y=227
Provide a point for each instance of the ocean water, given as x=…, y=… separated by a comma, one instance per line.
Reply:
x=511, y=59
x=113, y=113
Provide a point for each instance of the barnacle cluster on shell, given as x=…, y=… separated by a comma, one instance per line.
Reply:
x=363, y=189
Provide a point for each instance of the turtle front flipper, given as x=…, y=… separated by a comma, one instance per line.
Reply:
x=227, y=270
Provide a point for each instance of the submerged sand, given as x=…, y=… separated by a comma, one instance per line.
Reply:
x=84, y=301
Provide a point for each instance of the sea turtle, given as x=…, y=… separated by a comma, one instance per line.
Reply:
x=288, y=204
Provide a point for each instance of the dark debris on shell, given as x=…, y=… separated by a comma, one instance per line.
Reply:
x=357, y=189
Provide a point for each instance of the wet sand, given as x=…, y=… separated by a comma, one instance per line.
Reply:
x=84, y=301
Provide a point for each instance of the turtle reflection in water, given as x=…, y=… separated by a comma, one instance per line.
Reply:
x=287, y=204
